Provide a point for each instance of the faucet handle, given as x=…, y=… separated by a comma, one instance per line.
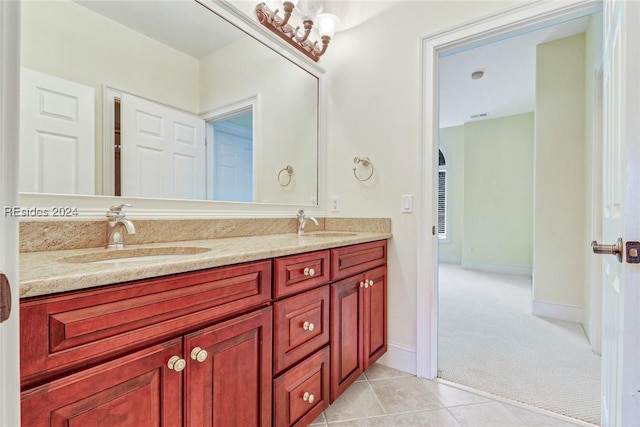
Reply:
x=301, y=213
x=117, y=209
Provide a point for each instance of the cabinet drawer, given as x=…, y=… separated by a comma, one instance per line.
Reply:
x=61, y=332
x=301, y=394
x=301, y=326
x=349, y=260
x=297, y=273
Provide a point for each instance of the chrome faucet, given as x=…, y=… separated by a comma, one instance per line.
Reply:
x=116, y=221
x=302, y=221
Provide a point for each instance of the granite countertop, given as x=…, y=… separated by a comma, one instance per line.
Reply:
x=48, y=272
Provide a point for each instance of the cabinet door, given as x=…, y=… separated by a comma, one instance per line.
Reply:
x=135, y=390
x=231, y=383
x=346, y=334
x=374, y=315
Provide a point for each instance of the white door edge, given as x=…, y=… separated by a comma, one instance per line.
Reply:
x=9, y=131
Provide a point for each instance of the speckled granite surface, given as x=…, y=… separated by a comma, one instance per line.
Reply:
x=51, y=271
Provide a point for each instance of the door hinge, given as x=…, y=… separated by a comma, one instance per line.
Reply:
x=5, y=298
x=433, y=230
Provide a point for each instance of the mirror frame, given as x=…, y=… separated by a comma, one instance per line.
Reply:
x=89, y=207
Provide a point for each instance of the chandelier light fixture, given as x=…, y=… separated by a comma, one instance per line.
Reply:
x=310, y=11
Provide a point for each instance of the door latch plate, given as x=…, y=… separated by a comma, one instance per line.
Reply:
x=633, y=252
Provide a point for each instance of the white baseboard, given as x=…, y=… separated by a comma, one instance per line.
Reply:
x=517, y=270
x=401, y=357
x=553, y=310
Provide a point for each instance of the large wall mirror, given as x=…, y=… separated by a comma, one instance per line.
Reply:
x=162, y=100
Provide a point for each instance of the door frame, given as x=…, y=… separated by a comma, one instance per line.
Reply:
x=499, y=25
x=9, y=134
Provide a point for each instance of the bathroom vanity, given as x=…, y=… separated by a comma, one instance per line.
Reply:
x=270, y=340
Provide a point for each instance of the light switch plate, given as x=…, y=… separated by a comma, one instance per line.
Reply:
x=335, y=204
x=407, y=203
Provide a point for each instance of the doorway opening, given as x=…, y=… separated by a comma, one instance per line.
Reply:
x=475, y=262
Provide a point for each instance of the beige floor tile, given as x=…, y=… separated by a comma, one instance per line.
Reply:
x=492, y=414
x=404, y=395
x=358, y=401
x=365, y=422
x=319, y=421
x=452, y=396
x=435, y=418
x=380, y=372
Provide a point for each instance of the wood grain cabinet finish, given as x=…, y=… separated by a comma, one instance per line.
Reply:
x=135, y=390
x=302, y=393
x=349, y=260
x=301, y=326
x=231, y=385
x=358, y=313
x=64, y=331
x=296, y=273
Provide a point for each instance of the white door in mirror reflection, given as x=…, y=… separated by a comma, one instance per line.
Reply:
x=163, y=151
x=232, y=161
x=57, y=136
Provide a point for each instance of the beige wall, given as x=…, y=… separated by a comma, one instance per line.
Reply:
x=560, y=175
x=490, y=198
x=498, y=195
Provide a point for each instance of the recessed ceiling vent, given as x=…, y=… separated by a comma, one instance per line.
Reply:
x=479, y=116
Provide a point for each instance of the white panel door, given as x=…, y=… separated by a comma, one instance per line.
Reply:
x=162, y=152
x=233, y=163
x=57, y=135
x=621, y=215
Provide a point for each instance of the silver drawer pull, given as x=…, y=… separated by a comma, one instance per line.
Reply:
x=309, y=272
x=308, y=326
x=176, y=363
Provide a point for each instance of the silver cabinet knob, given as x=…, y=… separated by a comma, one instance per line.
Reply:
x=199, y=354
x=176, y=363
x=308, y=397
x=308, y=326
x=309, y=272
x=362, y=284
x=370, y=283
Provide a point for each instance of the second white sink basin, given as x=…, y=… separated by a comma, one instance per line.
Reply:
x=133, y=255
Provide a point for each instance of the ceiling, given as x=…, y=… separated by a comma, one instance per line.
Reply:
x=508, y=84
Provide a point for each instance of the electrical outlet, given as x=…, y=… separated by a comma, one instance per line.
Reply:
x=335, y=204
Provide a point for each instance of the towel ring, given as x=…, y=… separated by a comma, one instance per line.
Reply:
x=365, y=162
x=289, y=171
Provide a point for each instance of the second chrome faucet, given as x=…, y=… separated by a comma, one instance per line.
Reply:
x=116, y=222
x=302, y=221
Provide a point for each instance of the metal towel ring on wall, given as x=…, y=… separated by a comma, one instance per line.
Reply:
x=289, y=171
x=365, y=162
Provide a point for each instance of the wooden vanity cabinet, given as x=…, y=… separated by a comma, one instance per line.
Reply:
x=192, y=349
x=301, y=338
x=358, y=312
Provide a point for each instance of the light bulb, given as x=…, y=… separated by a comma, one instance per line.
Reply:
x=327, y=23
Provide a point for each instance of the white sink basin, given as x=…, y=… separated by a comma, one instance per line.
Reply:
x=134, y=255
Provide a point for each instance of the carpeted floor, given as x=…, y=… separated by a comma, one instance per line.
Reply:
x=489, y=340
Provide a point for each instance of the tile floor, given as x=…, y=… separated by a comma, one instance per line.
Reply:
x=387, y=397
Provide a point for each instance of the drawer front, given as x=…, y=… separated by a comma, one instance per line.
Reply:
x=301, y=326
x=349, y=260
x=61, y=332
x=298, y=273
x=301, y=394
